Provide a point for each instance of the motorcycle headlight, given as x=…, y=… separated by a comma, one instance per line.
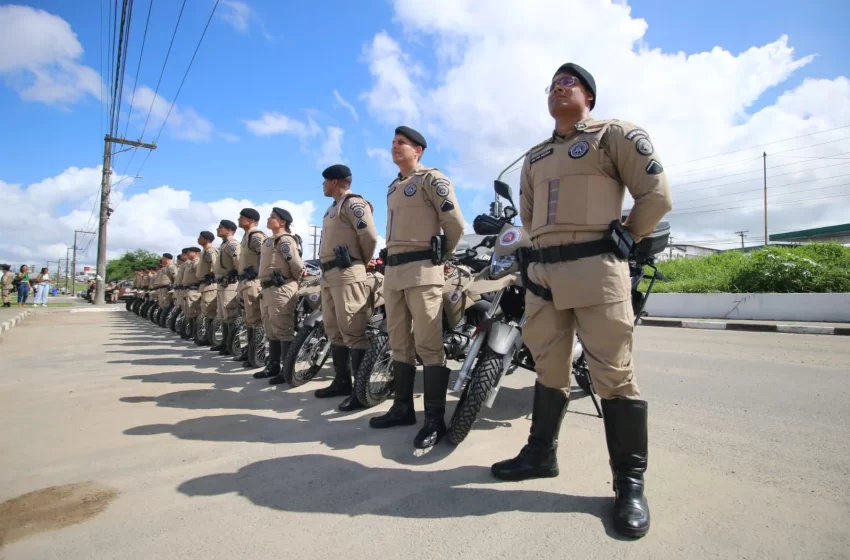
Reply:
x=500, y=265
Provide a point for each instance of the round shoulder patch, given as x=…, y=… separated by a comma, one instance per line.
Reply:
x=644, y=146
x=410, y=190
x=578, y=149
x=455, y=296
x=442, y=190
x=358, y=212
x=510, y=236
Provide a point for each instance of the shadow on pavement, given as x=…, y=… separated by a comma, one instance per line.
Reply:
x=325, y=484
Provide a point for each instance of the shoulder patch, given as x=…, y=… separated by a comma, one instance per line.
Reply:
x=208, y=257
x=362, y=224
x=358, y=212
x=579, y=149
x=636, y=133
x=269, y=242
x=538, y=156
x=286, y=247
x=447, y=205
x=644, y=146
x=654, y=168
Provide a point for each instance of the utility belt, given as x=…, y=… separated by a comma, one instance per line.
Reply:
x=617, y=242
x=209, y=279
x=249, y=273
x=276, y=279
x=436, y=254
x=342, y=259
x=231, y=278
x=191, y=286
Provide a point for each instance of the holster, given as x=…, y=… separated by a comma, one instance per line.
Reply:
x=438, y=249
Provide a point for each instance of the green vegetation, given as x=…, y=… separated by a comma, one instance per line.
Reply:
x=818, y=267
x=122, y=268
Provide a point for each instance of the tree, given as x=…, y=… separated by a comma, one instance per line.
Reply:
x=122, y=268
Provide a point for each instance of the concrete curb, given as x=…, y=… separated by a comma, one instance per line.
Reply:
x=7, y=325
x=750, y=327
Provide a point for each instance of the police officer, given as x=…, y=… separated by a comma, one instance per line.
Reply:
x=420, y=203
x=572, y=189
x=280, y=274
x=167, y=276
x=206, y=275
x=349, y=239
x=249, y=266
x=191, y=287
x=226, y=269
x=6, y=285
x=179, y=291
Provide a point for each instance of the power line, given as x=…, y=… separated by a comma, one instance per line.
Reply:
x=750, y=206
x=164, y=64
x=759, y=198
x=759, y=189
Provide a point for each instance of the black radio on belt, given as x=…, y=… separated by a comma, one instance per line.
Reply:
x=249, y=273
x=438, y=249
x=210, y=278
x=277, y=278
x=342, y=258
x=623, y=244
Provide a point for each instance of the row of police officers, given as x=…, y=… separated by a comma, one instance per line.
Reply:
x=572, y=189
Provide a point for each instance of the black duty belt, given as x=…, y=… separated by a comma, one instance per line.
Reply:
x=266, y=283
x=404, y=258
x=191, y=286
x=330, y=265
x=574, y=252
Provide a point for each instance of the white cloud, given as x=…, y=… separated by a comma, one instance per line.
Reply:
x=236, y=13
x=385, y=161
x=345, y=104
x=228, y=137
x=394, y=98
x=39, y=58
x=160, y=219
x=183, y=122
x=329, y=140
x=484, y=103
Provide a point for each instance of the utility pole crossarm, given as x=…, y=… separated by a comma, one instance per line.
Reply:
x=125, y=142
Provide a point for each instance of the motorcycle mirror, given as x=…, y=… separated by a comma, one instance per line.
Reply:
x=504, y=190
x=489, y=241
x=510, y=212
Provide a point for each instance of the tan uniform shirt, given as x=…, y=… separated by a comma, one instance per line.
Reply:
x=206, y=266
x=280, y=252
x=178, y=277
x=171, y=272
x=418, y=208
x=249, y=254
x=573, y=187
x=228, y=257
x=190, y=273
x=348, y=222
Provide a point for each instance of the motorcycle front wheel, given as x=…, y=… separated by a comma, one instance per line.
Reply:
x=306, y=356
x=239, y=340
x=260, y=356
x=484, y=377
x=201, y=331
x=373, y=382
x=216, y=334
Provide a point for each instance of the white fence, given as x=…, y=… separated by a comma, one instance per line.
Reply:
x=832, y=308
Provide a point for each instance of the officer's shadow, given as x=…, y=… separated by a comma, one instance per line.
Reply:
x=326, y=484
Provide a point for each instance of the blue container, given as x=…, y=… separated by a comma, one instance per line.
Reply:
x=55, y=291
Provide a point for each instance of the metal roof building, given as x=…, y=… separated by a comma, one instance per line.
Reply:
x=838, y=233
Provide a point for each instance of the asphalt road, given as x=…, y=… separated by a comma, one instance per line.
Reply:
x=160, y=450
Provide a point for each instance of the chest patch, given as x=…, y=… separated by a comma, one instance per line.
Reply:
x=410, y=190
x=542, y=155
x=579, y=149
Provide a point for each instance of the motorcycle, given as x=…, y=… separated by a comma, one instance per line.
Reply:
x=373, y=382
x=498, y=349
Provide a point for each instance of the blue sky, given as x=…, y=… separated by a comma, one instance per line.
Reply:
x=290, y=57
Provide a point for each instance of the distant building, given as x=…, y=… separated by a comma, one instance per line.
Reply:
x=836, y=234
x=685, y=251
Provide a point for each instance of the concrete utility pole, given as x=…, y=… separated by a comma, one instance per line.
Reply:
x=743, y=234
x=67, y=263
x=764, y=166
x=105, y=210
x=74, y=267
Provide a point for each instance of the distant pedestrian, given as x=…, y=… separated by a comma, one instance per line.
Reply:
x=23, y=285
x=42, y=287
x=7, y=282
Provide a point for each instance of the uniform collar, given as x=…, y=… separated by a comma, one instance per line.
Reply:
x=416, y=168
x=578, y=128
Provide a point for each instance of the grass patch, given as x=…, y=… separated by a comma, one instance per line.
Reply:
x=813, y=268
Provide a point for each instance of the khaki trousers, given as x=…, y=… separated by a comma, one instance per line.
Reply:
x=346, y=312
x=251, y=312
x=415, y=324
x=277, y=309
x=227, y=303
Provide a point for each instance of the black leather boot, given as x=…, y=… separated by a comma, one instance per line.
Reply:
x=626, y=434
x=243, y=357
x=284, y=349
x=436, y=382
x=351, y=402
x=341, y=385
x=539, y=457
x=224, y=348
x=401, y=413
x=272, y=368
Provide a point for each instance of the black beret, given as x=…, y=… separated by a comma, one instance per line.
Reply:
x=250, y=213
x=585, y=77
x=282, y=214
x=184, y=251
x=208, y=235
x=412, y=135
x=168, y=255
x=193, y=250
x=337, y=171
x=227, y=224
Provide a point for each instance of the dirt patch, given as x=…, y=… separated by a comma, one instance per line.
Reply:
x=52, y=508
